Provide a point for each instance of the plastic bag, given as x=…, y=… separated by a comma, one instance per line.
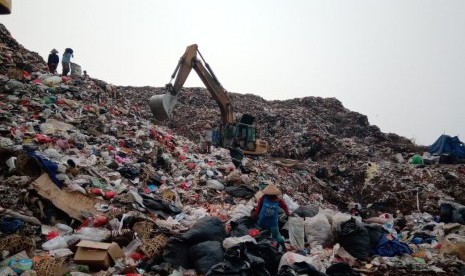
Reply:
x=52, y=81
x=76, y=70
x=132, y=247
x=64, y=227
x=93, y=234
x=19, y=266
x=55, y=243
x=206, y=229
x=318, y=231
x=175, y=252
x=291, y=204
x=241, y=211
x=306, y=211
x=62, y=252
x=215, y=184
x=205, y=255
x=296, y=232
x=290, y=258
x=233, y=241
x=241, y=191
x=353, y=236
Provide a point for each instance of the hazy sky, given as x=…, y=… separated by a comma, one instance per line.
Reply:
x=401, y=63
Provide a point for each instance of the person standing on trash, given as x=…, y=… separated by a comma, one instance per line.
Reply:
x=237, y=154
x=53, y=60
x=66, y=60
x=215, y=136
x=267, y=212
x=208, y=138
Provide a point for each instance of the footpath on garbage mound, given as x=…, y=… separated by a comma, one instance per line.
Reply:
x=90, y=184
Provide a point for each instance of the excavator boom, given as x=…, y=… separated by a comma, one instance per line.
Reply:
x=5, y=6
x=162, y=105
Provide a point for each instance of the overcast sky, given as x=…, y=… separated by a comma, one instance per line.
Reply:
x=401, y=63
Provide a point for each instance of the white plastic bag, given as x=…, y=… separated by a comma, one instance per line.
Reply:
x=318, y=230
x=55, y=243
x=62, y=252
x=296, y=232
x=52, y=81
x=290, y=258
x=291, y=204
x=132, y=247
x=93, y=234
x=76, y=70
x=64, y=227
x=215, y=184
x=240, y=211
x=233, y=241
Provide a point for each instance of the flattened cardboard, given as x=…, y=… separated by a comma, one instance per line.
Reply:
x=71, y=203
x=97, y=255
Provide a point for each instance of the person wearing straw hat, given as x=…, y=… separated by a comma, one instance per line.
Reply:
x=267, y=211
x=53, y=60
x=208, y=137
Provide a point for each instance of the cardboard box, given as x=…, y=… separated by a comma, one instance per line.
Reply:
x=97, y=255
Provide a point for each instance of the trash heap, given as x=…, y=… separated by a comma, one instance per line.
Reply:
x=89, y=185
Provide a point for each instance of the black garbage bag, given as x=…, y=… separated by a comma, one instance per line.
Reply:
x=176, y=252
x=206, y=229
x=353, y=236
x=238, y=230
x=241, y=191
x=286, y=271
x=241, y=227
x=159, y=205
x=268, y=252
x=445, y=213
x=205, y=255
x=306, y=211
x=230, y=269
x=375, y=232
x=238, y=262
x=247, y=221
x=129, y=172
x=299, y=268
x=459, y=215
x=341, y=269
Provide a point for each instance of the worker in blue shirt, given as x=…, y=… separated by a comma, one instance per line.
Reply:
x=65, y=61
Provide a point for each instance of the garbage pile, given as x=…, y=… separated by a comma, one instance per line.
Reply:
x=90, y=186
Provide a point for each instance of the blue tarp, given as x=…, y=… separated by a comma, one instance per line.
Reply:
x=447, y=145
x=50, y=167
x=391, y=248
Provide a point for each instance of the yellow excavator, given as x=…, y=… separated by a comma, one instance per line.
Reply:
x=5, y=6
x=243, y=132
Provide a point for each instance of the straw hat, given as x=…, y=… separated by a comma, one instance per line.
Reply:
x=54, y=51
x=271, y=190
x=208, y=126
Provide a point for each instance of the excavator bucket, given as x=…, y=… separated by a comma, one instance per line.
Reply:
x=162, y=106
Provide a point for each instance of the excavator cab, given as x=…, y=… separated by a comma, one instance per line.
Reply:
x=247, y=134
x=5, y=6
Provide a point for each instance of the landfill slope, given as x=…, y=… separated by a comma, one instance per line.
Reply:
x=65, y=135
x=319, y=131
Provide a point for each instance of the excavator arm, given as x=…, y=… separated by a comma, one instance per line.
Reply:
x=162, y=105
x=5, y=6
x=188, y=62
